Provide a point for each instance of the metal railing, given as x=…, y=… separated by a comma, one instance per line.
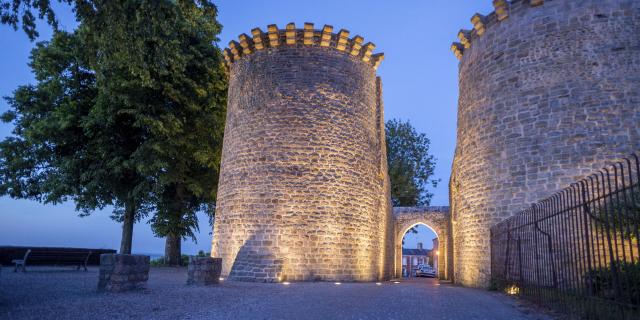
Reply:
x=577, y=251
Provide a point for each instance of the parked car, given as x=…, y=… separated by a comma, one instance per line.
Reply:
x=426, y=271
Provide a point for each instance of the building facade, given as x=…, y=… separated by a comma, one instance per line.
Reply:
x=412, y=258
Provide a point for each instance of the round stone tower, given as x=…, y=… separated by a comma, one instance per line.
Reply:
x=303, y=192
x=549, y=91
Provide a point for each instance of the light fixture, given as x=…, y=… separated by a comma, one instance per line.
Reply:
x=378, y=284
x=396, y=282
x=513, y=290
x=286, y=283
x=337, y=283
x=221, y=279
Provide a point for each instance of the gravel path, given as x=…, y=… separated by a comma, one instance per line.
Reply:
x=64, y=294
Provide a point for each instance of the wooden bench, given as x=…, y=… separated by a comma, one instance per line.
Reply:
x=51, y=257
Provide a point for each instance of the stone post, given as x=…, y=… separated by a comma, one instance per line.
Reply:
x=123, y=272
x=204, y=270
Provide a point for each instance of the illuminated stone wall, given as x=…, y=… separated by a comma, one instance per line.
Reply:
x=549, y=91
x=303, y=191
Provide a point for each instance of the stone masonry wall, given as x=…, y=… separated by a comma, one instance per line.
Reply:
x=549, y=91
x=388, y=236
x=301, y=192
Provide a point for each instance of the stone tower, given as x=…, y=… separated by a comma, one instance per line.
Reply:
x=549, y=91
x=303, y=192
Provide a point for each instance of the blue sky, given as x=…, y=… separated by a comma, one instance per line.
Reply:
x=419, y=76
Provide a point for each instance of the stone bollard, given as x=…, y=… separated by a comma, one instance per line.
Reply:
x=123, y=272
x=204, y=270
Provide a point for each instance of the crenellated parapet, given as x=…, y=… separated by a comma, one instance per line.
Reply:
x=480, y=23
x=308, y=36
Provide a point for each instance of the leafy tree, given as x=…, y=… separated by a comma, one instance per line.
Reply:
x=411, y=166
x=64, y=147
x=149, y=135
x=177, y=72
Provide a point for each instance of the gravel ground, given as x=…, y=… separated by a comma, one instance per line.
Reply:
x=58, y=293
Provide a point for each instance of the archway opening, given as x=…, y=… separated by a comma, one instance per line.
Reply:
x=420, y=252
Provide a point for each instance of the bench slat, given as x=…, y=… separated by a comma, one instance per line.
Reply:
x=58, y=255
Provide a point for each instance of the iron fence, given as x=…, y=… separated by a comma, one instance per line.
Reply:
x=577, y=251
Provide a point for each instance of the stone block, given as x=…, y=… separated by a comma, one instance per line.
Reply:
x=204, y=270
x=478, y=21
x=123, y=272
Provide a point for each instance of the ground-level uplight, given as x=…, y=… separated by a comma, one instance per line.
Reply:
x=337, y=283
x=221, y=279
x=513, y=290
x=396, y=282
x=378, y=284
x=286, y=283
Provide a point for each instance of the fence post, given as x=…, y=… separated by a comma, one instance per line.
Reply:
x=520, y=271
x=536, y=255
x=507, y=256
x=587, y=215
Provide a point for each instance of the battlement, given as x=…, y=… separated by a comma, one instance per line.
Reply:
x=307, y=36
x=480, y=23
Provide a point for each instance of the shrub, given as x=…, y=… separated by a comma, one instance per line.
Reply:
x=184, y=259
x=602, y=282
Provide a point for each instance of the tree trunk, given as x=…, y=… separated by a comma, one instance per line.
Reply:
x=173, y=250
x=127, y=228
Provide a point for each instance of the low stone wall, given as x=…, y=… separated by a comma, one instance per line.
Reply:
x=123, y=272
x=204, y=270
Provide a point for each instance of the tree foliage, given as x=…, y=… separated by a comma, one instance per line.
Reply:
x=411, y=167
x=40, y=161
x=65, y=146
x=128, y=111
x=23, y=14
x=158, y=58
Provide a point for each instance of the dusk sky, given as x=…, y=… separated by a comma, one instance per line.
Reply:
x=419, y=77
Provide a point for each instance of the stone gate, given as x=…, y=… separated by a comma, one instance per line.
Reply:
x=436, y=218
